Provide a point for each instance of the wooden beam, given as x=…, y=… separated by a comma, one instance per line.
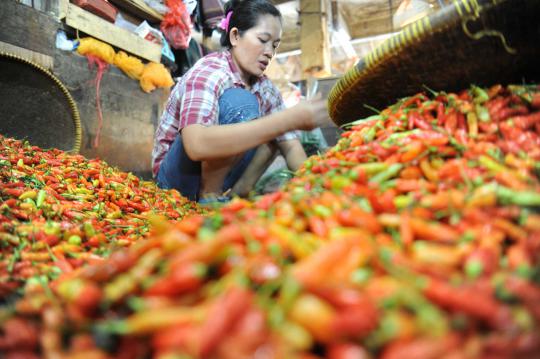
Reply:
x=314, y=42
x=107, y=32
x=62, y=9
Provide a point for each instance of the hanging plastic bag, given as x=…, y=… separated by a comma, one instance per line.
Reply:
x=147, y=32
x=190, y=6
x=154, y=76
x=166, y=51
x=176, y=25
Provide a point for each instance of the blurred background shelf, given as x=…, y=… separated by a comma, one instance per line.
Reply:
x=101, y=29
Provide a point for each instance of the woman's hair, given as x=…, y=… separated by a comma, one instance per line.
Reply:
x=245, y=15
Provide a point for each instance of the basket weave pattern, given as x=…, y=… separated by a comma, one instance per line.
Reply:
x=468, y=42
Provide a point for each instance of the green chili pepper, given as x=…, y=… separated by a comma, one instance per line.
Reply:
x=75, y=239
x=339, y=182
x=373, y=167
x=479, y=94
x=390, y=172
x=490, y=164
x=482, y=113
x=322, y=211
x=520, y=198
x=361, y=275
x=40, y=198
x=370, y=118
x=370, y=134
x=474, y=268
x=89, y=230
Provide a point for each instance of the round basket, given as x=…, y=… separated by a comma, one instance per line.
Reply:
x=36, y=106
x=481, y=42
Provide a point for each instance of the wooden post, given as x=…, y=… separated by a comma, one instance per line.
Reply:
x=62, y=9
x=314, y=42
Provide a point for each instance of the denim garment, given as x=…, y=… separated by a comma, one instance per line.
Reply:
x=178, y=171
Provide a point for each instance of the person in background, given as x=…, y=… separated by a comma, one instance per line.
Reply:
x=224, y=119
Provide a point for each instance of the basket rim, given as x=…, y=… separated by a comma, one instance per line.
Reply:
x=448, y=18
x=75, y=115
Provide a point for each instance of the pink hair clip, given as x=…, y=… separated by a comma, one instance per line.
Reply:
x=224, y=24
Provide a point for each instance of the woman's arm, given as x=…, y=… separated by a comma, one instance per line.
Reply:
x=213, y=142
x=261, y=160
x=293, y=152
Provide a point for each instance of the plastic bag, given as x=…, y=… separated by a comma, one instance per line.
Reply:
x=154, y=76
x=131, y=66
x=176, y=25
x=63, y=43
x=409, y=11
x=147, y=32
x=91, y=46
x=190, y=6
x=166, y=51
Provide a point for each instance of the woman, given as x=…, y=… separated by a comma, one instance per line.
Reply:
x=225, y=115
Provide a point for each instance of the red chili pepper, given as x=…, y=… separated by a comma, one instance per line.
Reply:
x=317, y=226
x=356, y=321
x=346, y=351
x=413, y=151
x=508, y=112
x=496, y=104
x=422, y=348
x=177, y=337
x=527, y=121
x=461, y=121
x=433, y=231
x=184, y=278
x=11, y=202
x=470, y=301
x=14, y=192
x=224, y=313
x=356, y=217
x=266, y=201
x=451, y=122
x=419, y=121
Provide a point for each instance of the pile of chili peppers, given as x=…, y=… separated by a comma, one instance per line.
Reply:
x=59, y=211
x=416, y=236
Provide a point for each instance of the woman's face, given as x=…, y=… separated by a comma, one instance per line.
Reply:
x=253, y=51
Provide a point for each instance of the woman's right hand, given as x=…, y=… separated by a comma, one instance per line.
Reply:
x=312, y=113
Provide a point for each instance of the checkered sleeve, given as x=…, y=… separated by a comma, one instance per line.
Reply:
x=199, y=102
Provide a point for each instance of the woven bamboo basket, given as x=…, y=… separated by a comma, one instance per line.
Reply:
x=481, y=42
x=36, y=106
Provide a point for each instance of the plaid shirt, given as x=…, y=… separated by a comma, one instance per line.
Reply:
x=194, y=100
